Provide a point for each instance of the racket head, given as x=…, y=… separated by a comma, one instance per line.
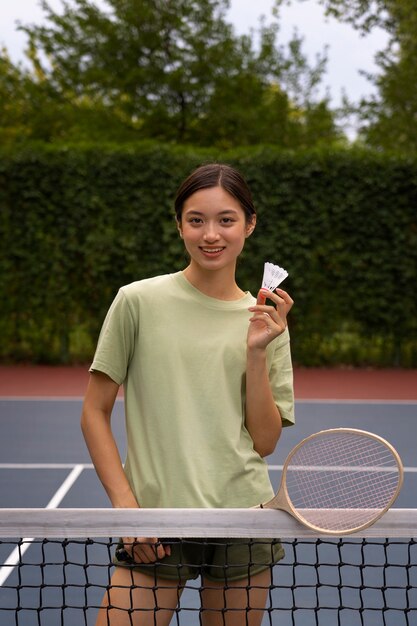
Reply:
x=341, y=480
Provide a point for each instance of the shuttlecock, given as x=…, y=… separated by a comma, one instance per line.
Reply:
x=273, y=276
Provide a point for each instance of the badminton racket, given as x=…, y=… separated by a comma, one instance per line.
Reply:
x=339, y=481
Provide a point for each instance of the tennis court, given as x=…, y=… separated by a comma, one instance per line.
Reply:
x=44, y=464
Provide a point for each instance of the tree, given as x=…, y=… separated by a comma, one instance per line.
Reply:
x=12, y=100
x=389, y=119
x=31, y=109
x=173, y=71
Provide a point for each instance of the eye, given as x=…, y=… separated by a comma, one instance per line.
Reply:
x=227, y=220
x=194, y=220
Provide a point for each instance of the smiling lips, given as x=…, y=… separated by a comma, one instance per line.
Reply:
x=211, y=251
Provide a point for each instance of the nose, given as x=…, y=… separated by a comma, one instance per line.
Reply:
x=210, y=232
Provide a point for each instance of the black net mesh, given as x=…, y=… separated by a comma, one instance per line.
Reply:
x=325, y=582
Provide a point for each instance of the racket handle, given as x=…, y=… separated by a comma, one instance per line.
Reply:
x=279, y=501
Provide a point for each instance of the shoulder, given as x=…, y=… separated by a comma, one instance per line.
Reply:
x=129, y=297
x=147, y=285
x=149, y=294
x=148, y=289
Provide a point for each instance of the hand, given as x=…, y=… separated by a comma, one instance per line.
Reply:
x=145, y=549
x=268, y=321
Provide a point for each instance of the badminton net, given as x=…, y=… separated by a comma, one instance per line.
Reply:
x=58, y=567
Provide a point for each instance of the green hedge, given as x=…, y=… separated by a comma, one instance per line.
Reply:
x=79, y=221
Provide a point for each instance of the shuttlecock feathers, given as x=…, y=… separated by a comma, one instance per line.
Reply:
x=273, y=276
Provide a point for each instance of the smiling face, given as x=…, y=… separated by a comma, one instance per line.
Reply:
x=214, y=228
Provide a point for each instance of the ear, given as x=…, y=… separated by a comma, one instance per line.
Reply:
x=179, y=227
x=250, y=226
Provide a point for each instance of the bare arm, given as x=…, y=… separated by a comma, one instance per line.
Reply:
x=95, y=424
x=263, y=419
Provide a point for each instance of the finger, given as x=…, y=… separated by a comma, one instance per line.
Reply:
x=275, y=326
x=124, y=550
x=145, y=549
x=263, y=294
x=261, y=317
x=268, y=329
x=276, y=298
x=143, y=554
x=286, y=297
x=161, y=550
x=262, y=308
x=157, y=551
x=134, y=547
x=128, y=543
x=262, y=313
x=282, y=301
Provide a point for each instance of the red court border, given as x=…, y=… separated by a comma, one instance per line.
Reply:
x=338, y=384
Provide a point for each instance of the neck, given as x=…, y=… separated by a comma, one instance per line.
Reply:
x=216, y=284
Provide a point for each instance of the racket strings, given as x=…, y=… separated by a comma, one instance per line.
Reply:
x=339, y=452
x=341, y=481
x=342, y=492
x=342, y=484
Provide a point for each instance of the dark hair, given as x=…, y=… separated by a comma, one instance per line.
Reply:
x=216, y=175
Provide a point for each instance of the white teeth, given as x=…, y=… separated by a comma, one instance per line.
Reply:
x=212, y=249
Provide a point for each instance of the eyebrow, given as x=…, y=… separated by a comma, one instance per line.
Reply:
x=225, y=212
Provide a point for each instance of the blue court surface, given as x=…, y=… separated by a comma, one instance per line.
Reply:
x=44, y=463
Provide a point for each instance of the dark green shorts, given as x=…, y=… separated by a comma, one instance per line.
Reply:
x=220, y=560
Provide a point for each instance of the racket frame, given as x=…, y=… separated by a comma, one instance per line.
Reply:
x=282, y=500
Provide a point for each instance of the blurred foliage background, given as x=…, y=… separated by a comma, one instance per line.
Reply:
x=116, y=106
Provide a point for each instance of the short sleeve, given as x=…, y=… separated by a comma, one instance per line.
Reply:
x=281, y=379
x=116, y=341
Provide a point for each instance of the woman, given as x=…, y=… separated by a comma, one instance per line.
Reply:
x=207, y=379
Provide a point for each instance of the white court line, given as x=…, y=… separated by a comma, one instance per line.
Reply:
x=88, y=466
x=41, y=398
x=55, y=501
x=45, y=465
x=278, y=468
x=47, y=398
x=411, y=401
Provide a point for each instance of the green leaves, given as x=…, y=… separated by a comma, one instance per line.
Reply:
x=167, y=71
x=77, y=222
x=388, y=119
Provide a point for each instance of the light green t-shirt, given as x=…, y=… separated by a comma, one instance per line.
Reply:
x=181, y=356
